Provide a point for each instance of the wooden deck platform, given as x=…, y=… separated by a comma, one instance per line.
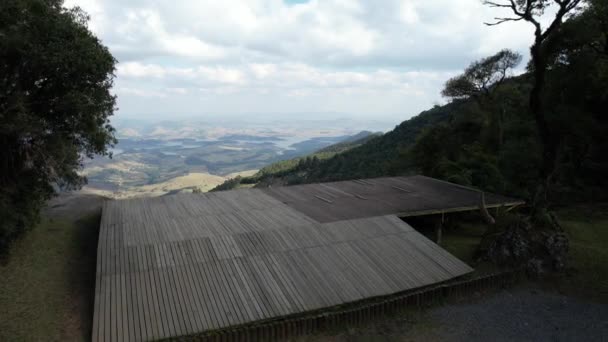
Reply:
x=185, y=264
x=401, y=196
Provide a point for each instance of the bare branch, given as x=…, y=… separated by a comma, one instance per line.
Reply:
x=494, y=4
x=512, y=5
x=502, y=20
x=565, y=6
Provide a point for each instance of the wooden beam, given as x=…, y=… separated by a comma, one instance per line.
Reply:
x=456, y=210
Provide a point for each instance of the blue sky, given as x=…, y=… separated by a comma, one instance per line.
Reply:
x=329, y=58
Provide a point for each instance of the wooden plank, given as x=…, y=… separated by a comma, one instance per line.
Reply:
x=121, y=294
x=242, y=291
x=201, y=299
x=141, y=293
x=213, y=303
x=171, y=318
x=123, y=316
x=210, y=301
x=225, y=308
x=157, y=319
x=174, y=291
x=163, y=316
x=133, y=298
x=301, y=284
x=256, y=308
x=174, y=266
x=318, y=288
x=231, y=304
x=328, y=279
x=154, y=329
x=115, y=291
x=131, y=307
x=191, y=290
x=182, y=291
x=271, y=285
x=324, y=199
x=286, y=284
x=264, y=304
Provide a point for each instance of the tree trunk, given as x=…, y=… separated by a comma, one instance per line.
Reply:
x=548, y=141
x=500, y=128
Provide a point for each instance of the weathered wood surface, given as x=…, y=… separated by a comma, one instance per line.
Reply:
x=401, y=196
x=185, y=264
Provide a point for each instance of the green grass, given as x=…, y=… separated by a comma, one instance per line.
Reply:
x=587, y=270
x=462, y=241
x=587, y=229
x=47, y=281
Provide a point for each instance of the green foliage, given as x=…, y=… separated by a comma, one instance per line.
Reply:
x=380, y=155
x=468, y=151
x=488, y=138
x=294, y=170
x=586, y=229
x=482, y=76
x=228, y=185
x=54, y=106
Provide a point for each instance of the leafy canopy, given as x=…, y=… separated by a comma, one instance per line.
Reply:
x=55, y=104
x=482, y=76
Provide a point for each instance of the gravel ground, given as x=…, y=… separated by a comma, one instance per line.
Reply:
x=523, y=314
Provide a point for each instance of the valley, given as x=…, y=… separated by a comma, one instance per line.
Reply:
x=158, y=158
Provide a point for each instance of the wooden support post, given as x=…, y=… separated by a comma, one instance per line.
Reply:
x=439, y=229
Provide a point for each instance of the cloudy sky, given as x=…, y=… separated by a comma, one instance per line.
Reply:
x=284, y=58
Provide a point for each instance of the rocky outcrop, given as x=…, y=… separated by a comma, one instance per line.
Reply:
x=520, y=241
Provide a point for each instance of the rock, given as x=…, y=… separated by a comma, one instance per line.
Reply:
x=538, y=249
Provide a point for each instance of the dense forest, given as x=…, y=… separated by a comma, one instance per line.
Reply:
x=486, y=135
x=289, y=170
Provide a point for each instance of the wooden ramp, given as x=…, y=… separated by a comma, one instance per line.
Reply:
x=185, y=264
x=401, y=196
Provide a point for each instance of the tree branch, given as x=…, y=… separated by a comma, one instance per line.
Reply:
x=502, y=20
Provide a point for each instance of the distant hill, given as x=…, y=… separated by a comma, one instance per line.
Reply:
x=365, y=154
x=350, y=142
x=375, y=156
x=378, y=156
x=291, y=167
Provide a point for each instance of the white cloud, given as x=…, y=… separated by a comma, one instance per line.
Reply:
x=366, y=57
x=140, y=92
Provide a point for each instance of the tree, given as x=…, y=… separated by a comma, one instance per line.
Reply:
x=530, y=11
x=480, y=80
x=55, y=104
x=481, y=77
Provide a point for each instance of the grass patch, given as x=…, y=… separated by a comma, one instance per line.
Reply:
x=462, y=241
x=587, y=229
x=47, y=282
x=462, y=234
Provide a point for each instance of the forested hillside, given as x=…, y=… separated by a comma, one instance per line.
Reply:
x=294, y=168
x=487, y=137
x=377, y=157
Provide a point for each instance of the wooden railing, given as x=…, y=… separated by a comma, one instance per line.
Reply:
x=358, y=314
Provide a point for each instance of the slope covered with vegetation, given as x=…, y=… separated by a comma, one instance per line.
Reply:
x=488, y=137
x=292, y=167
